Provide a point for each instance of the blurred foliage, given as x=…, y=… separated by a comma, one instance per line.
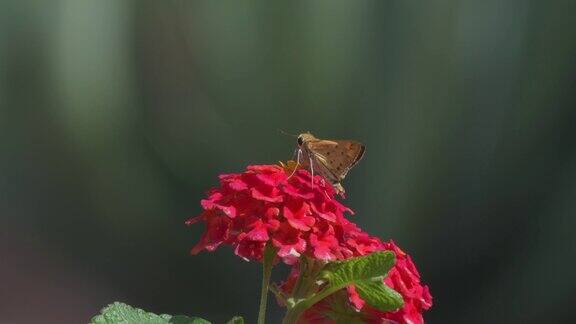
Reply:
x=117, y=116
x=121, y=313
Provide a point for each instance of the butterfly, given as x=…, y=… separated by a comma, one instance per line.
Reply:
x=331, y=158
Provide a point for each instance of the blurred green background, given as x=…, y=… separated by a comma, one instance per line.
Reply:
x=117, y=116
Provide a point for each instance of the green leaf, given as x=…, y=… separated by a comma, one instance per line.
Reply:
x=366, y=273
x=379, y=296
x=368, y=267
x=236, y=320
x=120, y=313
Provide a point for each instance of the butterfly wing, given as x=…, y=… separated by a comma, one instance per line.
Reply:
x=335, y=157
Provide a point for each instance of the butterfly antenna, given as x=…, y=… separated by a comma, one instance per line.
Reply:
x=285, y=133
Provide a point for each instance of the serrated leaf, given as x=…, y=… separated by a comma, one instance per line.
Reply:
x=236, y=320
x=120, y=313
x=366, y=273
x=379, y=296
x=368, y=267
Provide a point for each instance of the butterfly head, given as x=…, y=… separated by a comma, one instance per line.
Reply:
x=305, y=138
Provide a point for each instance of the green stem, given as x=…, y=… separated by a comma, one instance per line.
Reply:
x=304, y=290
x=303, y=273
x=291, y=317
x=293, y=314
x=267, y=263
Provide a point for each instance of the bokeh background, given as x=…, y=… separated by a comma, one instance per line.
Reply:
x=117, y=116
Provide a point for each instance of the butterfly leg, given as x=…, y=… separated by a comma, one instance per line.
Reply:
x=299, y=153
x=311, y=171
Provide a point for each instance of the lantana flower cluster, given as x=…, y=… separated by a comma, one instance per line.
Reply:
x=403, y=277
x=300, y=216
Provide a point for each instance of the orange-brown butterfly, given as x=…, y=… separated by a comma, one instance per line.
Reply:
x=331, y=158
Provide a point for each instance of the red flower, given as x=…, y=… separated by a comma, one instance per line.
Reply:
x=300, y=215
x=403, y=277
x=297, y=214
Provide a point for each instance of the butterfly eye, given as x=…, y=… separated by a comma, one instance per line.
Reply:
x=300, y=140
